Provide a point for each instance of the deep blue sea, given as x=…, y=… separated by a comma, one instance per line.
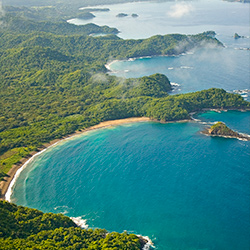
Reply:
x=182, y=189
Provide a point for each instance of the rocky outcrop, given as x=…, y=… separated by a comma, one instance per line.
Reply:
x=121, y=15
x=220, y=129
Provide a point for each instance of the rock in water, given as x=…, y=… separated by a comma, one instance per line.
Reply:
x=220, y=129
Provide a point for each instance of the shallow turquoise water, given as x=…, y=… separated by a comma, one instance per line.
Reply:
x=208, y=68
x=167, y=181
x=226, y=68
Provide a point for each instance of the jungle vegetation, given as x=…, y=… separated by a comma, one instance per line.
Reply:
x=53, y=82
x=221, y=129
x=26, y=228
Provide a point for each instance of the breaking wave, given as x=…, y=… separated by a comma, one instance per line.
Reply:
x=79, y=221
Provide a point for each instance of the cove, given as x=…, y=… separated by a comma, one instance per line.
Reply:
x=167, y=181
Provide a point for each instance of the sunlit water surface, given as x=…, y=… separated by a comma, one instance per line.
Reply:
x=183, y=189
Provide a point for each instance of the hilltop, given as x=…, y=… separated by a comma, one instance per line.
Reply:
x=220, y=129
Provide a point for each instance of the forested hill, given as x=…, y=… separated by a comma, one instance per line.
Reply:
x=52, y=85
x=53, y=82
x=26, y=228
x=18, y=32
x=27, y=26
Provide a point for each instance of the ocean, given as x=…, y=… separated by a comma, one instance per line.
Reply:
x=182, y=189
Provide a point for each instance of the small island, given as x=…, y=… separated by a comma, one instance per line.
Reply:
x=220, y=129
x=134, y=15
x=121, y=15
x=237, y=36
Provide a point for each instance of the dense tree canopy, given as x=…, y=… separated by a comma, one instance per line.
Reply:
x=26, y=228
x=53, y=81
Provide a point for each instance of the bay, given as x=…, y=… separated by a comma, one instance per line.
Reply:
x=203, y=69
x=226, y=68
x=183, y=189
x=188, y=17
x=167, y=181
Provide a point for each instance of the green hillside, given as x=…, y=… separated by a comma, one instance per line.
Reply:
x=54, y=83
x=26, y=228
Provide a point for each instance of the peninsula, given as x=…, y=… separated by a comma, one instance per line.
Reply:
x=220, y=129
x=85, y=15
x=60, y=85
x=54, y=85
x=26, y=228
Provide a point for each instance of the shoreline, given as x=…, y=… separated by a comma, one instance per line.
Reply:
x=108, y=64
x=14, y=172
x=6, y=186
x=246, y=138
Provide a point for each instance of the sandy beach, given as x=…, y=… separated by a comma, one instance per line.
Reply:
x=5, y=185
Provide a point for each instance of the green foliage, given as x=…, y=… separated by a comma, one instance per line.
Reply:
x=58, y=12
x=13, y=156
x=52, y=84
x=26, y=26
x=2, y=175
x=85, y=15
x=179, y=106
x=26, y=228
x=156, y=85
x=21, y=222
x=220, y=128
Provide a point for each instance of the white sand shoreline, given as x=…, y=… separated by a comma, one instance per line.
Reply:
x=7, y=187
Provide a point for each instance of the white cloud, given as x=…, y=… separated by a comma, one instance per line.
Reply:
x=180, y=9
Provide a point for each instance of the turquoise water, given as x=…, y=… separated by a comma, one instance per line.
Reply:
x=167, y=181
x=208, y=68
x=183, y=189
x=226, y=68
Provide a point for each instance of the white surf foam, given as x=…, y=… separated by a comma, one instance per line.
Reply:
x=18, y=172
x=149, y=243
x=62, y=209
x=108, y=65
x=79, y=221
x=12, y=183
x=174, y=84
